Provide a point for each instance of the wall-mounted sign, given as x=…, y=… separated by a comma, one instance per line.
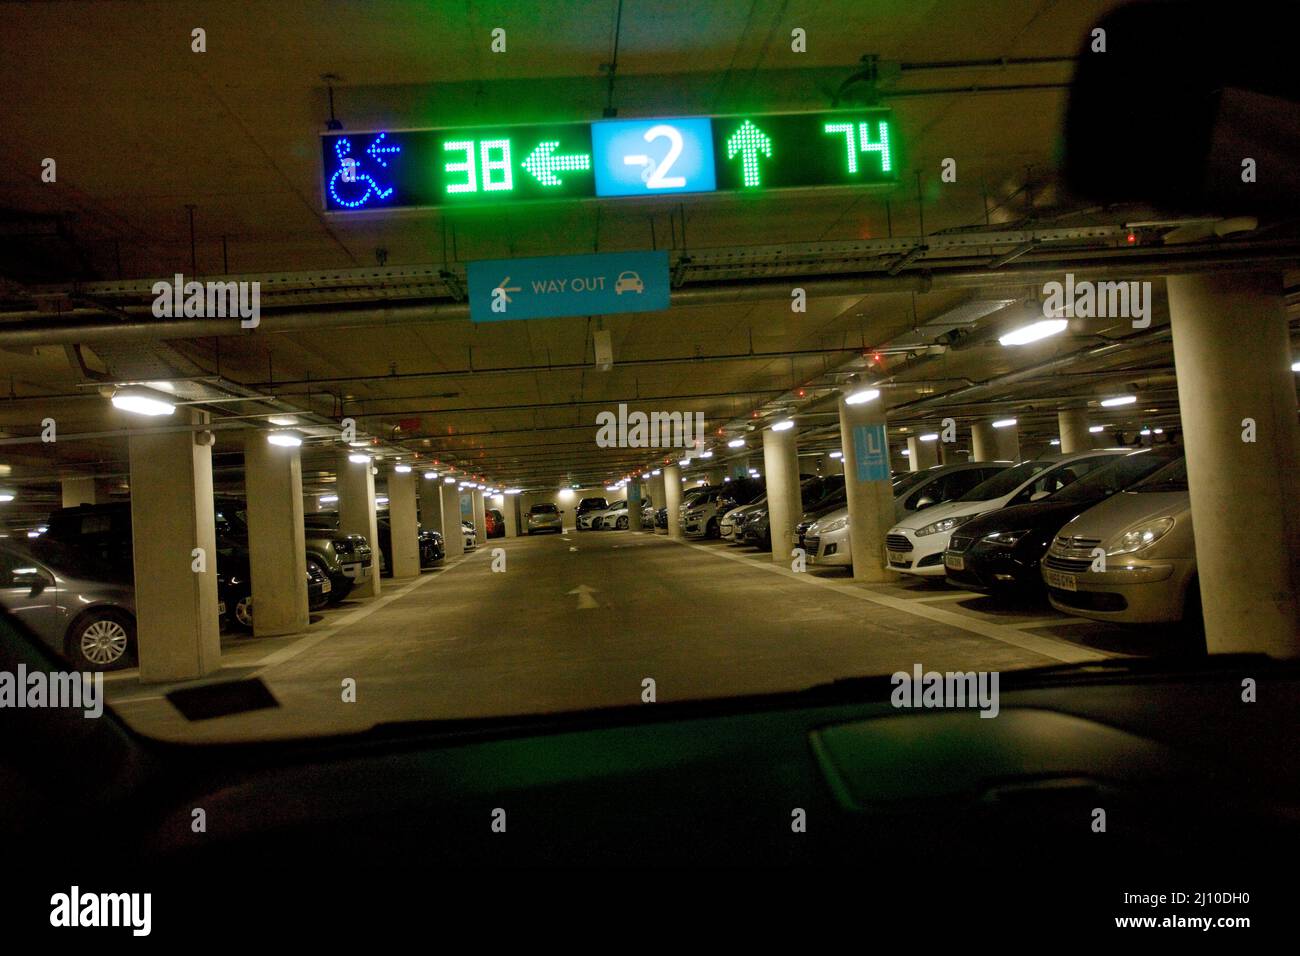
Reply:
x=607, y=158
x=870, y=453
x=555, y=286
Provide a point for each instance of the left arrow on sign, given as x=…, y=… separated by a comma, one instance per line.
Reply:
x=543, y=164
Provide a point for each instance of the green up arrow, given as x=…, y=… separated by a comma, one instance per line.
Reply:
x=544, y=166
x=749, y=141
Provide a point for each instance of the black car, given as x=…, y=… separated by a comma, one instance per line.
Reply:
x=661, y=518
x=431, y=550
x=1000, y=552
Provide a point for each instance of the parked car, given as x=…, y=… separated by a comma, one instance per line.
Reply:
x=735, y=519
x=430, y=542
x=236, y=593
x=545, y=517
x=471, y=534
x=1145, y=534
x=587, y=510
x=86, y=619
x=496, y=523
x=661, y=518
x=345, y=559
x=916, y=544
x=1002, y=551
x=598, y=517
x=757, y=529
x=826, y=539
x=704, y=517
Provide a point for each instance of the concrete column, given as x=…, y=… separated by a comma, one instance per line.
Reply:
x=634, y=506
x=835, y=466
x=922, y=454
x=866, y=481
x=277, y=554
x=356, y=491
x=983, y=442
x=673, y=498
x=480, y=516
x=781, y=471
x=1073, y=424
x=1008, y=442
x=403, y=524
x=177, y=629
x=81, y=491
x=510, y=508
x=430, y=492
x=715, y=475
x=453, y=538
x=1232, y=357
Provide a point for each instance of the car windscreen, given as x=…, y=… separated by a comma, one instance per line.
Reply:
x=905, y=483
x=543, y=509
x=1005, y=482
x=1173, y=477
x=1114, y=477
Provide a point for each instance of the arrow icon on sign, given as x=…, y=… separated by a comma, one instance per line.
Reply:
x=505, y=290
x=543, y=164
x=749, y=141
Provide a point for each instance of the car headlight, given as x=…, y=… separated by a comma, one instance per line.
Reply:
x=1005, y=539
x=944, y=525
x=1142, y=536
x=839, y=524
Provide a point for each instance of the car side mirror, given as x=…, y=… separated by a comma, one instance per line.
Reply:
x=1039, y=495
x=924, y=503
x=30, y=578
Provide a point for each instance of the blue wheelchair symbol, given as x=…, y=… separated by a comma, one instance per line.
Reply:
x=351, y=188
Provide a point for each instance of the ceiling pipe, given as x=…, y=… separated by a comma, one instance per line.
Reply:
x=75, y=329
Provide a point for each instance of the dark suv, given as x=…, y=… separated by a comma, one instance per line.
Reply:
x=344, y=559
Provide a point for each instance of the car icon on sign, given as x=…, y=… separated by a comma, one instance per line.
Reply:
x=628, y=282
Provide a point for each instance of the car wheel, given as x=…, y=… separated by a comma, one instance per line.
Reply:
x=622, y=524
x=102, y=641
x=242, y=613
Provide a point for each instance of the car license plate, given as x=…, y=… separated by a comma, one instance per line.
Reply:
x=1066, y=582
x=221, y=608
x=897, y=557
x=954, y=561
x=326, y=586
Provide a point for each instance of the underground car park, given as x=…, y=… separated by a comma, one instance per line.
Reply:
x=648, y=434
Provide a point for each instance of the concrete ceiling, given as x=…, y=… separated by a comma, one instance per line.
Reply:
x=142, y=128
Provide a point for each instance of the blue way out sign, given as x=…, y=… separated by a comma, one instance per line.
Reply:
x=555, y=286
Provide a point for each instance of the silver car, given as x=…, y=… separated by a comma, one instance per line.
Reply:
x=90, y=622
x=1132, y=558
x=544, y=518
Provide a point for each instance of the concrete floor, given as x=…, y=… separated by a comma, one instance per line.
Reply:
x=579, y=620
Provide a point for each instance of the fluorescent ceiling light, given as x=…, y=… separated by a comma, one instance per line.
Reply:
x=1295, y=366
x=837, y=454
x=283, y=420
x=736, y=443
x=6, y=496
x=656, y=472
x=1119, y=400
x=381, y=501
x=933, y=436
x=402, y=469
x=449, y=481
x=684, y=462
x=1160, y=431
x=1034, y=331
x=431, y=475
x=482, y=487
x=905, y=451
x=328, y=499
x=284, y=439
x=358, y=459
x=358, y=444
x=1096, y=428
x=1145, y=431
x=1055, y=441
x=707, y=454
x=139, y=400
x=784, y=426
x=865, y=395
x=1004, y=423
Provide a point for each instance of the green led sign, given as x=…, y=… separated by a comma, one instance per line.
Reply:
x=608, y=159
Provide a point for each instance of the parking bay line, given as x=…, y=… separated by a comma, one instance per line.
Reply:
x=1046, y=646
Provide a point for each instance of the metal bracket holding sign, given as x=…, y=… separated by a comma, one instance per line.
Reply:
x=617, y=158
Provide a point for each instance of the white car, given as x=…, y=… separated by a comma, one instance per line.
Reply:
x=827, y=539
x=727, y=529
x=916, y=544
x=615, y=519
x=598, y=517
x=471, y=538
